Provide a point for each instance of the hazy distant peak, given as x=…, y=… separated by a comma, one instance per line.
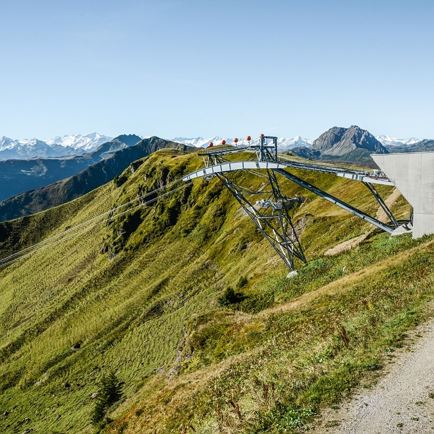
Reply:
x=73, y=144
x=395, y=141
x=282, y=142
x=87, y=142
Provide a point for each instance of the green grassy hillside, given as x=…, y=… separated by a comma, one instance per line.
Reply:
x=139, y=295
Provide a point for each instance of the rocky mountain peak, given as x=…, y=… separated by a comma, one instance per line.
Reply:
x=328, y=139
x=338, y=141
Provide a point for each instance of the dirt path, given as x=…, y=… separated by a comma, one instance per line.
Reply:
x=401, y=402
x=341, y=284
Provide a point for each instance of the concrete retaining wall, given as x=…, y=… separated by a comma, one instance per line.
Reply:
x=413, y=175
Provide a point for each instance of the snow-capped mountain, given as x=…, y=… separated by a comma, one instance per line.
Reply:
x=293, y=142
x=78, y=144
x=198, y=142
x=394, y=141
x=52, y=148
x=26, y=149
x=283, y=143
x=89, y=142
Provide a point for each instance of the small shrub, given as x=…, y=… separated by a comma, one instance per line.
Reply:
x=242, y=282
x=231, y=297
x=120, y=180
x=257, y=302
x=139, y=412
x=110, y=391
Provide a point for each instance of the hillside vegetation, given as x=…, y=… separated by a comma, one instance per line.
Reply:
x=145, y=297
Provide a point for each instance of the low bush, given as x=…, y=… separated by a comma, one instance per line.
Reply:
x=230, y=296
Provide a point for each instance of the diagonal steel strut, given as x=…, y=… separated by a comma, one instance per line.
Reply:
x=383, y=226
x=381, y=202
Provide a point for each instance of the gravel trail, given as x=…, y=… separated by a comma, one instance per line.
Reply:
x=401, y=402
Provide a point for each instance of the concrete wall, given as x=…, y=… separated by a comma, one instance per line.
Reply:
x=413, y=175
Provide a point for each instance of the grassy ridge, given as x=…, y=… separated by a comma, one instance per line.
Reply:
x=273, y=370
x=138, y=294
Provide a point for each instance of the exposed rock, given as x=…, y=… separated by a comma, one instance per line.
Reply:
x=328, y=139
x=340, y=141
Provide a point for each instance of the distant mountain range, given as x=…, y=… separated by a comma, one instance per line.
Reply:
x=78, y=144
x=18, y=176
x=99, y=167
x=420, y=146
x=394, y=141
x=74, y=145
x=28, y=185
x=53, y=148
x=355, y=145
x=284, y=143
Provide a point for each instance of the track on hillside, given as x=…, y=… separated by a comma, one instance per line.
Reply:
x=401, y=402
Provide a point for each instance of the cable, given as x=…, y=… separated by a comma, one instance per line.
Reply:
x=90, y=220
x=61, y=237
x=22, y=253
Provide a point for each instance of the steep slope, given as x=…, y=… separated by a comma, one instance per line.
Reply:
x=112, y=162
x=17, y=176
x=328, y=139
x=139, y=294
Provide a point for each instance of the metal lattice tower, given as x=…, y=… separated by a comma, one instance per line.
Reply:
x=272, y=213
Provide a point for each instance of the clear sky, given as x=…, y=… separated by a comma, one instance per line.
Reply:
x=228, y=67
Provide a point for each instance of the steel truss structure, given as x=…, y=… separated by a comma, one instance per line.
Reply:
x=272, y=216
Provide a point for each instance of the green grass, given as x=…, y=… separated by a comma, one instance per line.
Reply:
x=139, y=295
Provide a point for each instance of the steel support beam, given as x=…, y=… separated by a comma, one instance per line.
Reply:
x=218, y=165
x=221, y=167
x=336, y=201
x=276, y=228
x=383, y=205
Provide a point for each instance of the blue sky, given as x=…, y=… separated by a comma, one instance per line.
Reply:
x=189, y=68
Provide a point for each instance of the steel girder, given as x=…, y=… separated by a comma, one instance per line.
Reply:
x=327, y=196
x=276, y=227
